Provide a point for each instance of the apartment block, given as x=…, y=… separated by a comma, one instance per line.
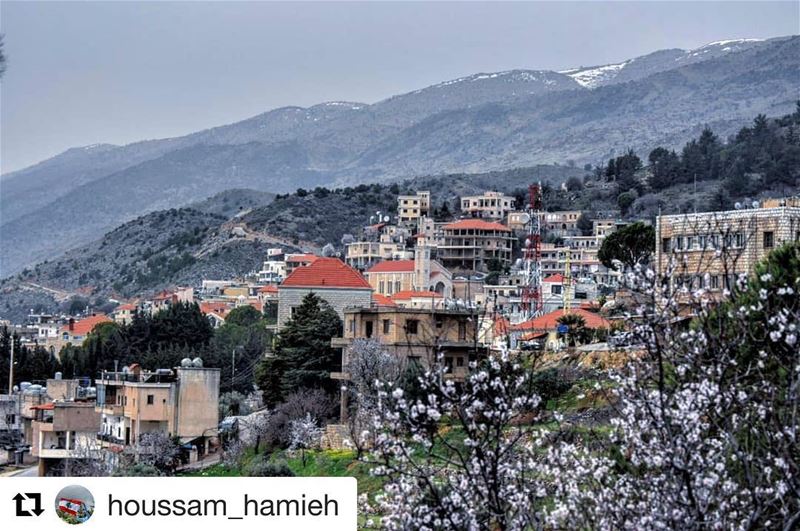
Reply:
x=412, y=208
x=182, y=402
x=489, y=205
x=469, y=245
x=710, y=249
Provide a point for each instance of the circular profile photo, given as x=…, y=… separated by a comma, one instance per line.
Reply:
x=74, y=504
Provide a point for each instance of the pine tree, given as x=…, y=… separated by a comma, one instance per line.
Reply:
x=303, y=356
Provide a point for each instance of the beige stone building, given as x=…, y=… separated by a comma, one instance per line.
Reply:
x=415, y=334
x=412, y=208
x=469, y=245
x=710, y=249
x=330, y=279
x=182, y=402
x=489, y=205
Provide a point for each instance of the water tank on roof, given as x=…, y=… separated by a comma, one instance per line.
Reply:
x=186, y=362
x=24, y=385
x=197, y=362
x=58, y=376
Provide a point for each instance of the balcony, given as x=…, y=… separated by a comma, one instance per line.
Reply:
x=111, y=409
x=108, y=438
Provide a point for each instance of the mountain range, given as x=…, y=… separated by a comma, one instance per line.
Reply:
x=482, y=122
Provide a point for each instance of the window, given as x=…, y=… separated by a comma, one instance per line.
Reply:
x=397, y=286
x=555, y=289
x=679, y=243
x=439, y=322
x=150, y=400
x=352, y=326
x=386, y=324
x=462, y=331
x=690, y=242
x=769, y=239
x=460, y=361
x=581, y=295
x=381, y=286
x=412, y=326
x=714, y=282
x=738, y=239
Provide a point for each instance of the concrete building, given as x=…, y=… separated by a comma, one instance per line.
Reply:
x=182, y=403
x=329, y=278
x=518, y=221
x=469, y=245
x=293, y=261
x=489, y=205
x=412, y=208
x=561, y=223
x=362, y=255
x=710, y=249
x=414, y=335
x=65, y=431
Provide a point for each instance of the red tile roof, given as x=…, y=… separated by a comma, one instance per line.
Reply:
x=326, y=273
x=219, y=308
x=392, y=266
x=268, y=289
x=382, y=300
x=549, y=321
x=476, y=224
x=125, y=308
x=558, y=278
x=46, y=407
x=84, y=326
x=408, y=294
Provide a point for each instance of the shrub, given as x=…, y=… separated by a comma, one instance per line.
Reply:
x=266, y=469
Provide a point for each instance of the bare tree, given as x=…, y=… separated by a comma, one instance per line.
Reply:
x=159, y=450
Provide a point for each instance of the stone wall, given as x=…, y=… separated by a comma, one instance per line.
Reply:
x=338, y=298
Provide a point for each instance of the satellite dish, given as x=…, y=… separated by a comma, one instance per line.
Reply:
x=386, y=219
x=186, y=362
x=737, y=206
x=755, y=204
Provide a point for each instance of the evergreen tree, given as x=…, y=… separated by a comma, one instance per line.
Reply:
x=303, y=356
x=630, y=245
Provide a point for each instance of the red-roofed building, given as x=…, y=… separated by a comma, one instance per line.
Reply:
x=469, y=245
x=75, y=332
x=545, y=327
x=123, y=314
x=331, y=279
x=382, y=300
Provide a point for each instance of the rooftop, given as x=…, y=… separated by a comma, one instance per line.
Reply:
x=476, y=224
x=549, y=321
x=326, y=273
x=84, y=326
x=392, y=266
x=409, y=294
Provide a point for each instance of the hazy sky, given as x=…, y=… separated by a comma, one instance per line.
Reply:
x=83, y=73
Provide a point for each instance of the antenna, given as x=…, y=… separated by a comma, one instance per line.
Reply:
x=532, y=291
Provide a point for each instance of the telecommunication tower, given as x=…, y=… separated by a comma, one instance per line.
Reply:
x=532, y=291
x=566, y=287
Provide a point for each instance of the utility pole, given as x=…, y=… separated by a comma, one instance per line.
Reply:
x=11, y=368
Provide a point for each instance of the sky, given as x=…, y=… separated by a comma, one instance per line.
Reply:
x=117, y=72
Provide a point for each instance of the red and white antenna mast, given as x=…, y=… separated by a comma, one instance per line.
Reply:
x=532, y=291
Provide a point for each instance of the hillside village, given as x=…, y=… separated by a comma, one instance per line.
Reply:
x=501, y=273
